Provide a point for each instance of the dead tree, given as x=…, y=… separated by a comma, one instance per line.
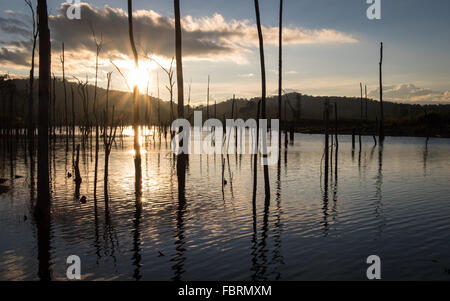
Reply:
x=65, y=98
x=84, y=95
x=367, y=101
x=44, y=97
x=137, y=148
x=109, y=134
x=361, y=104
x=336, y=126
x=263, y=98
x=381, y=139
x=31, y=81
x=169, y=87
x=280, y=68
x=73, y=119
x=53, y=118
x=98, y=46
x=181, y=158
x=42, y=209
x=159, y=107
x=207, y=99
x=326, y=149
x=189, y=99
x=78, y=180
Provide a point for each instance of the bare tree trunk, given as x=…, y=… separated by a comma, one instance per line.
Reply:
x=255, y=158
x=108, y=138
x=189, y=100
x=367, y=101
x=235, y=129
x=42, y=209
x=137, y=147
x=336, y=126
x=159, y=108
x=280, y=69
x=31, y=83
x=54, y=111
x=73, y=120
x=181, y=158
x=98, y=45
x=207, y=101
x=78, y=178
x=381, y=139
x=263, y=96
x=65, y=99
x=44, y=96
x=326, y=149
x=361, y=104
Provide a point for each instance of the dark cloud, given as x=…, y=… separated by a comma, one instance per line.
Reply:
x=15, y=27
x=211, y=38
x=154, y=33
x=15, y=57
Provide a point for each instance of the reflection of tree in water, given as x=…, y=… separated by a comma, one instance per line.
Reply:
x=277, y=257
x=137, y=239
x=325, y=222
x=378, y=194
x=110, y=239
x=137, y=216
x=179, y=257
x=335, y=186
x=425, y=157
x=259, y=249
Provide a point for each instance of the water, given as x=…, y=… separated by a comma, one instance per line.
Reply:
x=392, y=201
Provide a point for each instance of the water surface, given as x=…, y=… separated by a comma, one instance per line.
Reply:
x=392, y=201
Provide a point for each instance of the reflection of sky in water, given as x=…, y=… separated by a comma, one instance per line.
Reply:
x=392, y=203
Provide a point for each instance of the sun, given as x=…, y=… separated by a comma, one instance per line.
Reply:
x=140, y=77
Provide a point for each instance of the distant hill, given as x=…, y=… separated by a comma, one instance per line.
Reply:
x=300, y=108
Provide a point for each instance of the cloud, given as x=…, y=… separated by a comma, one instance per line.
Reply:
x=412, y=94
x=14, y=26
x=206, y=38
x=14, y=57
x=247, y=75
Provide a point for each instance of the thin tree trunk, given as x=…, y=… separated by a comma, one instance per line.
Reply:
x=181, y=158
x=137, y=149
x=159, y=108
x=326, y=150
x=78, y=178
x=263, y=96
x=65, y=99
x=336, y=126
x=207, y=101
x=31, y=84
x=95, y=110
x=367, y=102
x=280, y=69
x=255, y=158
x=73, y=120
x=381, y=139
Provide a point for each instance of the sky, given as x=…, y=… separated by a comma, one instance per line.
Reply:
x=330, y=46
